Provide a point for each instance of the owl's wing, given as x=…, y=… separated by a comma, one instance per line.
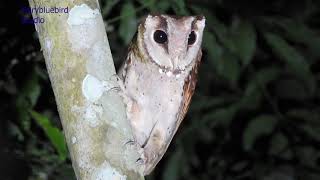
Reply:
x=188, y=90
x=122, y=71
x=124, y=68
x=132, y=49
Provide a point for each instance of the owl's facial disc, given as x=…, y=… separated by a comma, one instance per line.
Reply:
x=173, y=42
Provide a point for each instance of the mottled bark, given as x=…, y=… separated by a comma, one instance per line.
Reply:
x=81, y=70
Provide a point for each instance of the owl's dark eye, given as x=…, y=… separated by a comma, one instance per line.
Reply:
x=192, y=38
x=160, y=36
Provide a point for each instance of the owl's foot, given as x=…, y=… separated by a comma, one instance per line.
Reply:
x=131, y=142
x=110, y=87
x=142, y=159
x=114, y=84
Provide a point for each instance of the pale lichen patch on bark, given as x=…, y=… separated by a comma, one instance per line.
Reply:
x=106, y=171
x=92, y=88
x=48, y=44
x=87, y=37
x=90, y=113
x=84, y=27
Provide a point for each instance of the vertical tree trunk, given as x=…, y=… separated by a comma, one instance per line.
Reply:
x=81, y=70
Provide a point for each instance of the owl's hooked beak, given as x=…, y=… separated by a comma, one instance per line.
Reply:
x=176, y=54
x=174, y=62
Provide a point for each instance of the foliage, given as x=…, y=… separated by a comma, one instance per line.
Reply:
x=54, y=134
x=255, y=113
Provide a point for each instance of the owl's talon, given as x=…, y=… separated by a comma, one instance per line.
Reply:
x=140, y=161
x=117, y=79
x=130, y=142
x=115, y=76
x=117, y=89
x=115, y=86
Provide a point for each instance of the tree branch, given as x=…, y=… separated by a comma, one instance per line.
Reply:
x=81, y=70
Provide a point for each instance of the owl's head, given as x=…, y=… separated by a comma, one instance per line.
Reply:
x=171, y=42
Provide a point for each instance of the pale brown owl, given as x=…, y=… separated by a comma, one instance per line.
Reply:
x=159, y=78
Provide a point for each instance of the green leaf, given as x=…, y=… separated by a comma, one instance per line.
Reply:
x=179, y=7
x=32, y=89
x=23, y=106
x=308, y=155
x=244, y=38
x=301, y=33
x=211, y=21
x=64, y=172
x=106, y=9
x=128, y=23
x=310, y=115
x=163, y=6
x=228, y=67
x=312, y=131
x=14, y=131
x=291, y=89
x=266, y=75
x=222, y=116
x=55, y=136
x=253, y=95
x=257, y=127
x=172, y=170
x=150, y=4
x=27, y=99
x=212, y=47
x=200, y=103
x=278, y=144
x=295, y=61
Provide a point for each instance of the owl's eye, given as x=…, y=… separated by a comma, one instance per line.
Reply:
x=192, y=38
x=160, y=36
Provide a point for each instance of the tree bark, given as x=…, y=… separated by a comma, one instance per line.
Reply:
x=81, y=70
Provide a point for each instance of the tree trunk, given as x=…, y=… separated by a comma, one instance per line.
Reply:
x=81, y=70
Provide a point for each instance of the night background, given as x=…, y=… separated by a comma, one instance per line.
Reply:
x=255, y=114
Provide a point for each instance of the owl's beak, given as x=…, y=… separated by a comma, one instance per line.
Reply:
x=175, y=62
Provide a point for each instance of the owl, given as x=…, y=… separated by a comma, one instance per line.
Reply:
x=159, y=78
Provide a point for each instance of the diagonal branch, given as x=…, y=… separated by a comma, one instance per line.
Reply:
x=80, y=66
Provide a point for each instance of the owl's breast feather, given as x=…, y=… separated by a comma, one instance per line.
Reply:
x=157, y=95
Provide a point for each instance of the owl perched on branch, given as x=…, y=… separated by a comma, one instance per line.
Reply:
x=158, y=80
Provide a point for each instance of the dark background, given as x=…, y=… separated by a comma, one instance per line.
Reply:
x=255, y=113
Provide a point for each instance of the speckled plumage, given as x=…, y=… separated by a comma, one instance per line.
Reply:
x=159, y=81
